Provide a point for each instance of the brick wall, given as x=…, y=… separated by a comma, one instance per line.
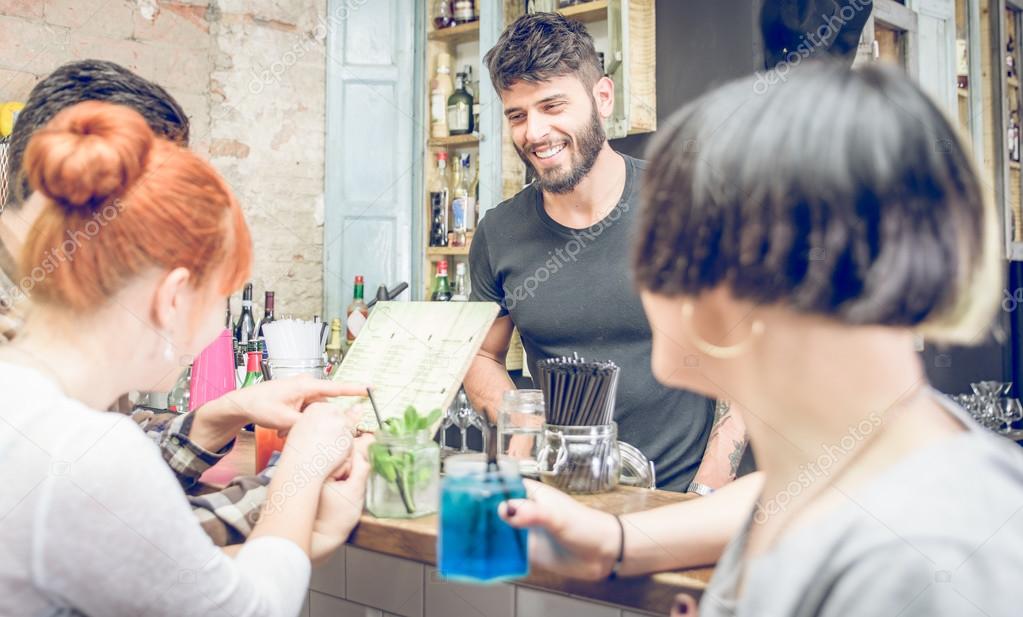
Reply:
x=250, y=75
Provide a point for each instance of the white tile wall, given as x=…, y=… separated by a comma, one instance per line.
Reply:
x=447, y=599
x=329, y=577
x=322, y=605
x=532, y=603
x=392, y=584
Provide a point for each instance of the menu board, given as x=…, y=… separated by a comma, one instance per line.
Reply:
x=413, y=353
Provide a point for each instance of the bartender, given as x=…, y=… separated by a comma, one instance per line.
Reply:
x=555, y=257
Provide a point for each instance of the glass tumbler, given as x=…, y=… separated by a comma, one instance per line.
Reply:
x=580, y=459
x=473, y=543
x=520, y=427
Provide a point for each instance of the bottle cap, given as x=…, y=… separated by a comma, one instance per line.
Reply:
x=442, y=156
x=442, y=268
x=460, y=267
x=358, y=279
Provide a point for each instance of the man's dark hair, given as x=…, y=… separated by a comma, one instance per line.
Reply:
x=89, y=80
x=540, y=46
x=838, y=192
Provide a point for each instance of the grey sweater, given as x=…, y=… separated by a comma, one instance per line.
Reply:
x=941, y=533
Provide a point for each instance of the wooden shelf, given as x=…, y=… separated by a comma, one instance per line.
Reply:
x=963, y=94
x=454, y=141
x=1012, y=81
x=444, y=251
x=462, y=33
x=588, y=11
x=1014, y=165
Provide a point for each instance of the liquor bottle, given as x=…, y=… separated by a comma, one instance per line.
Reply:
x=334, y=352
x=460, y=109
x=459, y=202
x=443, y=15
x=357, y=311
x=1013, y=137
x=177, y=399
x=245, y=329
x=465, y=11
x=253, y=370
x=1010, y=58
x=440, y=90
x=439, y=203
x=442, y=291
x=472, y=211
x=460, y=292
x=268, y=317
x=962, y=64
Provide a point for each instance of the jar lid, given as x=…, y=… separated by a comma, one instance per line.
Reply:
x=474, y=464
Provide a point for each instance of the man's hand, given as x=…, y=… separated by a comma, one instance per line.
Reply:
x=276, y=404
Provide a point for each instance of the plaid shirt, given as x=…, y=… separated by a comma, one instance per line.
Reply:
x=227, y=515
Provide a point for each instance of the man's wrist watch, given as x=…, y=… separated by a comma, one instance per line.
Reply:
x=700, y=489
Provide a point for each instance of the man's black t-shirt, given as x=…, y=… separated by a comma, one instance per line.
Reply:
x=571, y=290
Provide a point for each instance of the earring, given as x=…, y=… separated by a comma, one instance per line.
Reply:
x=726, y=352
x=168, y=349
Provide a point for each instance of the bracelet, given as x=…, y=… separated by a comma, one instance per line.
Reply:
x=621, y=549
x=700, y=489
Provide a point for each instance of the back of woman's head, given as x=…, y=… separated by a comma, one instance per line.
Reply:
x=838, y=192
x=123, y=202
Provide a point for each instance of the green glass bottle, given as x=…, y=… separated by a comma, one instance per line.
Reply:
x=442, y=292
x=253, y=371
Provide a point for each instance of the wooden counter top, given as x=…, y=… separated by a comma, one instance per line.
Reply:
x=416, y=539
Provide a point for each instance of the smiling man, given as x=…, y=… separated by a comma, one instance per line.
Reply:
x=556, y=255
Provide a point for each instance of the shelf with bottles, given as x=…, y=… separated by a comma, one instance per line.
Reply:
x=460, y=33
x=443, y=251
x=594, y=10
x=455, y=141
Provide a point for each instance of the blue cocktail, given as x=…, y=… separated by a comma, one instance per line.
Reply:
x=474, y=544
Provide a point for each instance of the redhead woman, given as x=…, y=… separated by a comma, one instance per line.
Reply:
x=138, y=243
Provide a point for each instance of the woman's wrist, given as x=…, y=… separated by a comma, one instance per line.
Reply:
x=613, y=547
x=216, y=423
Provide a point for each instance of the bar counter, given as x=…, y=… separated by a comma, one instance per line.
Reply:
x=387, y=569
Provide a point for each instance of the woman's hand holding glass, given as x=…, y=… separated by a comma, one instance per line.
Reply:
x=568, y=538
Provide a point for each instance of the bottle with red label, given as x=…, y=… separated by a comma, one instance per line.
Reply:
x=357, y=311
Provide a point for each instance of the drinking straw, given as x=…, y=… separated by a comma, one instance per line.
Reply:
x=380, y=423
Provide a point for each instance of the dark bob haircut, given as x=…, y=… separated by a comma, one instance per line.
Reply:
x=838, y=192
x=90, y=80
x=540, y=46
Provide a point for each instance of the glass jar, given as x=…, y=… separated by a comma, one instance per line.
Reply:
x=580, y=459
x=405, y=476
x=473, y=542
x=282, y=368
x=520, y=427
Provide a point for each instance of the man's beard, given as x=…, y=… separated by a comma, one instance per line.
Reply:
x=587, y=145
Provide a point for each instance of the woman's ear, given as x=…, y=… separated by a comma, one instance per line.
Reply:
x=168, y=301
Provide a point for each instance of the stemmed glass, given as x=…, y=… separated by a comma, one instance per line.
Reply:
x=462, y=415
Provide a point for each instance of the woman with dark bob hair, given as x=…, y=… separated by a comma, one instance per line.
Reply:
x=792, y=244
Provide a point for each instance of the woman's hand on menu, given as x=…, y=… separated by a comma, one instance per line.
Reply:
x=320, y=442
x=276, y=404
x=568, y=537
x=341, y=502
